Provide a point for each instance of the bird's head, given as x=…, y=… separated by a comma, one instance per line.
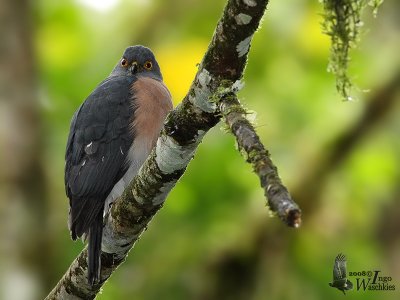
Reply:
x=138, y=61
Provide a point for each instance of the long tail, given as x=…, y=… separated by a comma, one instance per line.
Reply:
x=94, y=249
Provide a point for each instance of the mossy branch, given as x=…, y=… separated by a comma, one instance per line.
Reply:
x=279, y=199
x=342, y=22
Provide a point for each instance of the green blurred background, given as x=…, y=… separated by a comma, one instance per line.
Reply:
x=214, y=238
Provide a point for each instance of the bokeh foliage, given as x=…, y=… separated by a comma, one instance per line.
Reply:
x=217, y=210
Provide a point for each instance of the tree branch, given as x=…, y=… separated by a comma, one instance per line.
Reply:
x=279, y=199
x=229, y=261
x=222, y=65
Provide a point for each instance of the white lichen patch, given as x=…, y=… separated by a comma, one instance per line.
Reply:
x=116, y=244
x=78, y=279
x=200, y=134
x=164, y=190
x=250, y=3
x=243, y=47
x=220, y=33
x=171, y=157
x=242, y=19
x=237, y=86
x=202, y=93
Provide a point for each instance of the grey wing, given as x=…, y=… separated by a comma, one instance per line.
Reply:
x=97, y=146
x=339, y=267
x=70, y=148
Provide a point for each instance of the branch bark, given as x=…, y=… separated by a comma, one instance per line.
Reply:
x=222, y=65
x=279, y=199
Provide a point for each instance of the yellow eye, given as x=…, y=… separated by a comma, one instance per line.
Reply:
x=124, y=62
x=148, y=65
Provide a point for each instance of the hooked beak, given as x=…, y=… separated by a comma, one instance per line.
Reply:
x=133, y=68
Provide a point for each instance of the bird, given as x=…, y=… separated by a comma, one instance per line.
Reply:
x=111, y=135
x=339, y=274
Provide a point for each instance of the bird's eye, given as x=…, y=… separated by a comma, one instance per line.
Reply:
x=124, y=62
x=148, y=65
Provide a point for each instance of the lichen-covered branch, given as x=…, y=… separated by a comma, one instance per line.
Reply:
x=279, y=199
x=226, y=283
x=184, y=129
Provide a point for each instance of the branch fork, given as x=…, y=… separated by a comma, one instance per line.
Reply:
x=216, y=82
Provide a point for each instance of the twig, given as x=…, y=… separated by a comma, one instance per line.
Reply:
x=279, y=199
